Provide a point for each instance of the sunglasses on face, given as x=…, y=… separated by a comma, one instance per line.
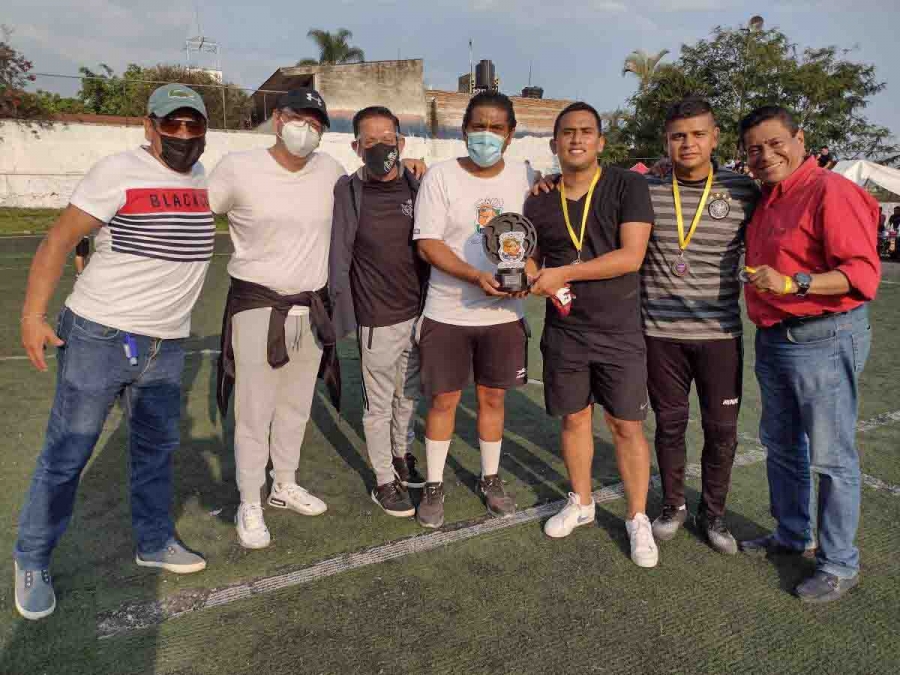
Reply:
x=171, y=127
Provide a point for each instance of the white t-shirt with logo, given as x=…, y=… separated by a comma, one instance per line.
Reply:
x=453, y=206
x=151, y=254
x=279, y=220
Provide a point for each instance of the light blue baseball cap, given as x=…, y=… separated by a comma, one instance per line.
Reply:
x=171, y=97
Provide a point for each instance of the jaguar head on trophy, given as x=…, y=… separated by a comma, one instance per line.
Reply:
x=508, y=241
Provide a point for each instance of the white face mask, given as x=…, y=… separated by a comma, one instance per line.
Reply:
x=300, y=138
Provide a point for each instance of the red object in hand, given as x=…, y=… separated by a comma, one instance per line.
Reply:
x=563, y=300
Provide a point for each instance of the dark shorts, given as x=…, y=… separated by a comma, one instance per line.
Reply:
x=83, y=247
x=452, y=356
x=583, y=367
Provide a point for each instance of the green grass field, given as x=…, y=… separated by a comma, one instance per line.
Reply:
x=508, y=601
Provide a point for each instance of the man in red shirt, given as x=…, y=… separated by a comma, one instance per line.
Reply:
x=813, y=265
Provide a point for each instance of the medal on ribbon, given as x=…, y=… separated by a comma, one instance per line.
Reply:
x=578, y=242
x=680, y=266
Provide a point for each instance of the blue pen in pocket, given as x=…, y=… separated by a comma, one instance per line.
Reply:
x=131, y=350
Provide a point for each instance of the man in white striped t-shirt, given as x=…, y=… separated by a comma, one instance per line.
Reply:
x=692, y=319
x=120, y=334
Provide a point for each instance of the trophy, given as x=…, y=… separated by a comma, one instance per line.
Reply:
x=508, y=241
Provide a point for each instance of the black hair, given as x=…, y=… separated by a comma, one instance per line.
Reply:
x=824, y=147
x=686, y=108
x=493, y=99
x=578, y=106
x=374, y=111
x=764, y=114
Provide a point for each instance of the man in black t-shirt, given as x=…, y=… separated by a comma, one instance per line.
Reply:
x=376, y=282
x=825, y=159
x=592, y=237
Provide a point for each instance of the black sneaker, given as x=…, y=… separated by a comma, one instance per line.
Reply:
x=768, y=545
x=669, y=521
x=717, y=533
x=406, y=472
x=495, y=498
x=431, y=509
x=394, y=499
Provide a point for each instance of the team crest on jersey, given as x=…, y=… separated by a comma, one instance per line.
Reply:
x=719, y=207
x=407, y=208
x=486, y=210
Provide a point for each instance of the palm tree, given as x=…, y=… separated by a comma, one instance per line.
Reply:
x=643, y=65
x=333, y=48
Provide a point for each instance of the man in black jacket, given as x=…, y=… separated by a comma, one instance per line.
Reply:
x=376, y=285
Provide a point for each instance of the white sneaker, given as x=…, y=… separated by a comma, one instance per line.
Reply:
x=251, y=527
x=643, y=549
x=573, y=515
x=292, y=496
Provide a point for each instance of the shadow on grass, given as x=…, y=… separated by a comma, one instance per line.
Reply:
x=94, y=569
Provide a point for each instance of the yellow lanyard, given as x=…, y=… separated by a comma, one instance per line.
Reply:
x=578, y=242
x=682, y=240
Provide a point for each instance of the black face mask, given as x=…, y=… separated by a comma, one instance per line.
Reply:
x=180, y=154
x=381, y=158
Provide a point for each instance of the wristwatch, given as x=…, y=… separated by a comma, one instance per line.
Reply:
x=803, y=280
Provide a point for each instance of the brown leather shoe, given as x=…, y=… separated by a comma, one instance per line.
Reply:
x=495, y=498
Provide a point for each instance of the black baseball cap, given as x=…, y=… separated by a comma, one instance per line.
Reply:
x=304, y=99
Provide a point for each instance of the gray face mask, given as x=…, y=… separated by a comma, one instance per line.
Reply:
x=300, y=138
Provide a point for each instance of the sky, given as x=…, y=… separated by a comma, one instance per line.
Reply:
x=575, y=48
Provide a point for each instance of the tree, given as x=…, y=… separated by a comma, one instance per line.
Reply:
x=104, y=93
x=740, y=69
x=14, y=76
x=643, y=65
x=333, y=48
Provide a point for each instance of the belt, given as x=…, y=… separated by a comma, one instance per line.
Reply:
x=795, y=321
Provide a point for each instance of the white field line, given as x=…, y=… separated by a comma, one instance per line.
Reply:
x=138, y=615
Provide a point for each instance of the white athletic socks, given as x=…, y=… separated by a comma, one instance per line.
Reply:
x=435, y=459
x=490, y=457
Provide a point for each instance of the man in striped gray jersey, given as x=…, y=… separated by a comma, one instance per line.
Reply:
x=692, y=319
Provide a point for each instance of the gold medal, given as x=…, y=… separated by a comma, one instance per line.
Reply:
x=578, y=241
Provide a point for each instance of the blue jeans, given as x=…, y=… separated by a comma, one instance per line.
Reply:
x=808, y=377
x=92, y=372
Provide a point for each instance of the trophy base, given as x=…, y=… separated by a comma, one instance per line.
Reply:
x=512, y=281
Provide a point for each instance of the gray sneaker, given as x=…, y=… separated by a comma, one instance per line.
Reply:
x=174, y=558
x=35, y=598
x=431, y=509
x=824, y=587
x=666, y=525
x=498, y=502
x=717, y=533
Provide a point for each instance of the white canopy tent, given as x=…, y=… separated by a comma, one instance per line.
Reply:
x=861, y=171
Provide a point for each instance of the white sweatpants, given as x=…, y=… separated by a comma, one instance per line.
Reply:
x=271, y=406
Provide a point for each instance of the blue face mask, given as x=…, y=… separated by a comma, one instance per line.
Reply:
x=485, y=148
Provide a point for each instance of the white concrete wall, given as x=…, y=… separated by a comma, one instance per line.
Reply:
x=41, y=167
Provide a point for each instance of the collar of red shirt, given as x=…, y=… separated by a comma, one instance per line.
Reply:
x=801, y=176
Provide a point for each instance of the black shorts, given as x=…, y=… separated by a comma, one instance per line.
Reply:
x=583, y=367
x=451, y=356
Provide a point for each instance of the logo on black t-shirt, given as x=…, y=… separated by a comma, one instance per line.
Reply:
x=407, y=208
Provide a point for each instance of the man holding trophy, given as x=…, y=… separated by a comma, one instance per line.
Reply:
x=592, y=235
x=468, y=314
